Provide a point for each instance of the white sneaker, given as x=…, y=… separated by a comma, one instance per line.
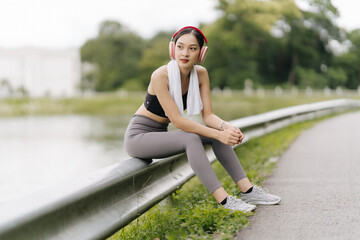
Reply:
x=260, y=196
x=235, y=204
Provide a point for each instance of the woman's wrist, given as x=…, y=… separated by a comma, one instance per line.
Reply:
x=221, y=126
x=215, y=134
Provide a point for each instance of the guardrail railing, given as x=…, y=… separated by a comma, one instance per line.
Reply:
x=97, y=205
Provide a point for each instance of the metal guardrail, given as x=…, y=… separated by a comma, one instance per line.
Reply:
x=97, y=205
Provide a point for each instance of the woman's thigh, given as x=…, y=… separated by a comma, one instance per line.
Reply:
x=160, y=144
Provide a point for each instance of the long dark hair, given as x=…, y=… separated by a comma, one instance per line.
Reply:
x=199, y=36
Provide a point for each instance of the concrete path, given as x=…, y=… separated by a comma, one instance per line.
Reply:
x=318, y=178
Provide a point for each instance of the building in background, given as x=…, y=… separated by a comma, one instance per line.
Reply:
x=39, y=72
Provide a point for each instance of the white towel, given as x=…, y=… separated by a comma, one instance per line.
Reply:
x=193, y=101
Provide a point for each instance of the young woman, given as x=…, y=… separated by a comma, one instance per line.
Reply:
x=184, y=85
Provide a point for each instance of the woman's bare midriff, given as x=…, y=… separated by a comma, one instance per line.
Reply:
x=144, y=112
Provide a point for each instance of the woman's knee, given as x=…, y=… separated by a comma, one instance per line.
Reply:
x=218, y=144
x=191, y=138
x=130, y=148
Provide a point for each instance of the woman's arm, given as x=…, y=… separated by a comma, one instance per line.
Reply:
x=159, y=83
x=209, y=118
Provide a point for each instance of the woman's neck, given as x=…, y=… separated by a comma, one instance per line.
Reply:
x=185, y=74
x=185, y=79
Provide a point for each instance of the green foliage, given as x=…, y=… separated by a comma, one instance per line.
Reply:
x=116, y=53
x=133, y=85
x=350, y=61
x=195, y=221
x=236, y=40
x=270, y=42
x=308, y=77
x=307, y=42
x=336, y=77
x=155, y=55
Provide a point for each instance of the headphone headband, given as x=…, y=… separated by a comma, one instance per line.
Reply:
x=192, y=28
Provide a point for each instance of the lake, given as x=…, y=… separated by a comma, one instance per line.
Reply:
x=38, y=152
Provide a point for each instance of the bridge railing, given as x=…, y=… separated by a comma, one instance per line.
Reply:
x=97, y=205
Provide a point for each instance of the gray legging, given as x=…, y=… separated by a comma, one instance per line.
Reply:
x=146, y=138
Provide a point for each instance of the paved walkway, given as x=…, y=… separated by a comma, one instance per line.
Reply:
x=318, y=178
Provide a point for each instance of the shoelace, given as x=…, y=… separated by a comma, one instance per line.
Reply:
x=263, y=191
x=236, y=200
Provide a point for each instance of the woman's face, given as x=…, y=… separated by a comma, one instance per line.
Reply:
x=187, y=50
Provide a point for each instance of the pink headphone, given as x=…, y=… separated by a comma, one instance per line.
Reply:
x=203, y=49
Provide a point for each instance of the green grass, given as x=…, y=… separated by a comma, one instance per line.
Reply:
x=194, y=213
x=102, y=104
x=228, y=107
x=238, y=105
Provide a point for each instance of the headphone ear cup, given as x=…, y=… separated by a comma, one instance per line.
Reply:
x=202, y=54
x=172, y=50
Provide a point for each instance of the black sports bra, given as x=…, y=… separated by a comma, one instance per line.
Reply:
x=152, y=104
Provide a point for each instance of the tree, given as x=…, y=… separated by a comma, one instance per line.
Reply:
x=155, y=54
x=271, y=42
x=350, y=61
x=116, y=53
x=309, y=37
x=242, y=46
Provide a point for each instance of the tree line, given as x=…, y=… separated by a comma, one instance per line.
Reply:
x=270, y=42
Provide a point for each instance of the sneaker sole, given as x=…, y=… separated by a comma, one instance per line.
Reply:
x=244, y=211
x=250, y=210
x=263, y=203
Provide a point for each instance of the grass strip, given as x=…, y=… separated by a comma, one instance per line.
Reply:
x=194, y=214
x=102, y=104
x=228, y=107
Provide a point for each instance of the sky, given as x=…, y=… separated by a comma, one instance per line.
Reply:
x=70, y=23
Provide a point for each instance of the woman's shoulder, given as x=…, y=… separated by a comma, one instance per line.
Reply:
x=159, y=77
x=200, y=68
x=202, y=72
x=160, y=72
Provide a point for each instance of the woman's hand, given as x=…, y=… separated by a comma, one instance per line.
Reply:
x=231, y=135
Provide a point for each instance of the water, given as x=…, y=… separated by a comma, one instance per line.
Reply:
x=38, y=152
